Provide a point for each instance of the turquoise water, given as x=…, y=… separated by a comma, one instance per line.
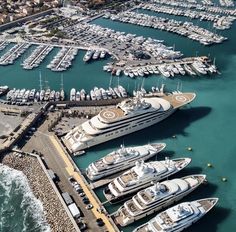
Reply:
x=207, y=125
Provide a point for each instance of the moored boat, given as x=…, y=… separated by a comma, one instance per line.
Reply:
x=72, y=94
x=121, y=159
x=140, y=176
x=178, y=217
x=132, y=114
x=156, y=197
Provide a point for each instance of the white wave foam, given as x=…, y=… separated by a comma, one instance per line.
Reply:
x=31, y=206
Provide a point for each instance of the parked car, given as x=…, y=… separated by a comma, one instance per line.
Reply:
x=85, y=200
x=82, y=194
x=100, y=222
x=89, y=206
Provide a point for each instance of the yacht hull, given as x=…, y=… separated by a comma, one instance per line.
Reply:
x=133, y=126
x=155, y=208
x=122, y=165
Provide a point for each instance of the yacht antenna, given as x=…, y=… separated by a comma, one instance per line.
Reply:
x=143, y=82
x=137, y=88
x=110, y=81
x=62, y=87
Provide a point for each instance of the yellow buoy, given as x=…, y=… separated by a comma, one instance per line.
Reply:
x=189, y=149
x=209, y=165
x=224, y=179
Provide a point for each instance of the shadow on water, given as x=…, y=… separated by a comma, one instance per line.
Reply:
x=162, y=155
x=174, y=125
x=188, y=171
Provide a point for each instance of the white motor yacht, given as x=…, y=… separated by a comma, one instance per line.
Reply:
x=156, y=197
x=141, y=176
x=178, y=217
x=130, y=115
x=121, y=159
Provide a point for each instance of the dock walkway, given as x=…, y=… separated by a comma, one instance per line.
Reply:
x=79, y=178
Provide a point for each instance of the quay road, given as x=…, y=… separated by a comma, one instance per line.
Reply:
x=79, y=179
x=57, y=160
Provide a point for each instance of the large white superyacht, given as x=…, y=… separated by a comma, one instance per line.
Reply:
x=141, y=176
x=156, y=197
x=178, y=217
x=121, y=159
x=130, y=115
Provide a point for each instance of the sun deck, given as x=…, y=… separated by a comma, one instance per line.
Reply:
x=128, y=177
x=158, y=228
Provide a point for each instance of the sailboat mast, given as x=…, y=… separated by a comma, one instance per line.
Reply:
x=62, y=85
x=110, y=81
x=40, y=81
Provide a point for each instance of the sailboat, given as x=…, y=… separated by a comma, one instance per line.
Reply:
x=42, y=91
x=47, y=92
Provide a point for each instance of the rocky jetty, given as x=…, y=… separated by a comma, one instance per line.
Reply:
x=55, y=214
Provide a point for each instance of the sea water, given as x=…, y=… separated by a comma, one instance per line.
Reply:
x=208, y=124
x=19, y=209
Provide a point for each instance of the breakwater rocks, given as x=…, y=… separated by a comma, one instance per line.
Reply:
x=55, y=214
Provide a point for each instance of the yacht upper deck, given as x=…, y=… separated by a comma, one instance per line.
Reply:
x=111, y=115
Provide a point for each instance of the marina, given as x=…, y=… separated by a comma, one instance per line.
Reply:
x=3, y=45
x=14, y=53
x=195, y=5
x=86, y=101
x=186, y=66
x=63, y=59
x=220, y=21
x=37, y=56
x=25, y=96
x=186, y=28
x=126, y=49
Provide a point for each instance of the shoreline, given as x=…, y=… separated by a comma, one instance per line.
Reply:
x=54, y=213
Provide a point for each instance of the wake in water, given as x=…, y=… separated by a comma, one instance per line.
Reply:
x=20, y=210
